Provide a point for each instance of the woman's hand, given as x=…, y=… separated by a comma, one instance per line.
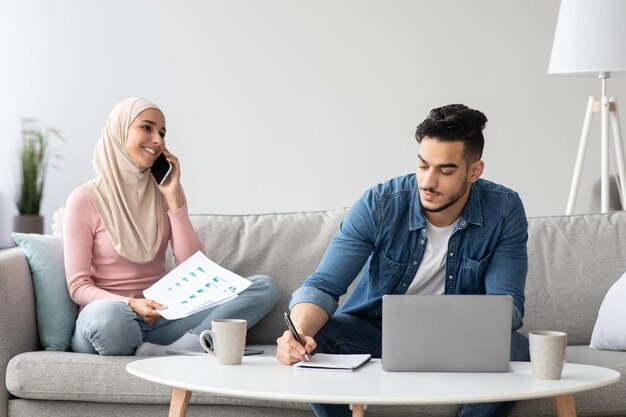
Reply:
x=171, y=189
x=146, y=309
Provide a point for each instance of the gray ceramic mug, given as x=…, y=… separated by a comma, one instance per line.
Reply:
x=228, y=340
x=547, y=353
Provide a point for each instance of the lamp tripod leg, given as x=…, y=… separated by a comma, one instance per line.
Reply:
x=604, y=155
x=619, y=151
x=580, y=158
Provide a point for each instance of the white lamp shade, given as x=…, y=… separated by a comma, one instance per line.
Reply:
x=590, y=38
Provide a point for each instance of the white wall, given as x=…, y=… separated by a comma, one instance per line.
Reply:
x=286, y=105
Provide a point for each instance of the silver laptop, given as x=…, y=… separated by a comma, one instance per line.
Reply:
x=446, y=333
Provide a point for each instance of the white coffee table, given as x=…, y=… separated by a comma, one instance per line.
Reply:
x=262, y=377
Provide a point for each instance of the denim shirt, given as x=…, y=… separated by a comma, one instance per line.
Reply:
x=384, y=236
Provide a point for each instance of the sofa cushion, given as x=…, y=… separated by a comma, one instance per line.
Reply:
x=287, y=246
x=57, y=377
x=610, y=399
x=572, y=262
x=610, y=330
x=72, y=376
x=56, y=312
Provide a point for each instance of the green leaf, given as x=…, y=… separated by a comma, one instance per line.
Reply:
x=34, y=156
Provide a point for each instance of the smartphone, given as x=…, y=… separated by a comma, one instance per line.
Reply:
x=161, y=169
x=246, y=352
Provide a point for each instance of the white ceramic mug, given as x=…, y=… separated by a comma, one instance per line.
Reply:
x=547, y=353
x=229, y=340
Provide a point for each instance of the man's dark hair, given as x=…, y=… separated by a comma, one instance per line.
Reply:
x=456, y=122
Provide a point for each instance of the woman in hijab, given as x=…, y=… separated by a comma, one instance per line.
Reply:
x=116, y=231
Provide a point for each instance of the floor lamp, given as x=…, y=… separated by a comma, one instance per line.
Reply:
x=590, y=40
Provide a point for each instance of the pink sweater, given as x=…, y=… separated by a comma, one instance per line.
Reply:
x=93, y=268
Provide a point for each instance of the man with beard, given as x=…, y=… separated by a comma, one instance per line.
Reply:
x=443, y=230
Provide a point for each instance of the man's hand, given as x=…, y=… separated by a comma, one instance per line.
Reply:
x=308, y=319
x=289, y=351
x=146, y=309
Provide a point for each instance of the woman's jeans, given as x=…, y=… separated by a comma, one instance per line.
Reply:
x=347, y=334
x=111, y=328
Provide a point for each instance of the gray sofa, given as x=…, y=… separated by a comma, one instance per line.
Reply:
x=573, y=262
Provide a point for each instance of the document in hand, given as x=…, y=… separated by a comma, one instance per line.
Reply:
x=195, y=285
x=334, y=362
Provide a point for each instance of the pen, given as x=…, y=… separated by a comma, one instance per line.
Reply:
x=292, y=328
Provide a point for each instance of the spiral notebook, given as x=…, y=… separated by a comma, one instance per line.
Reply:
x=333, y=362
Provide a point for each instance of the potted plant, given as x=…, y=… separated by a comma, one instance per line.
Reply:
x=34, y=158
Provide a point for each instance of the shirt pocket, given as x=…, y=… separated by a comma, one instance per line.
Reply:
x=473, y=272
x=385, y=273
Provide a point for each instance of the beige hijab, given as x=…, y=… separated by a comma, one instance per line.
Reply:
x=126, y=198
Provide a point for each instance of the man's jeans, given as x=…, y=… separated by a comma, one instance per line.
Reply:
x=346, y=334
x=111, y=328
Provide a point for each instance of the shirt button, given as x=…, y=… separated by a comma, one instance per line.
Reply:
x=404, y=285
x=421, y=241
x=414, y=262
x=451, y=277
x=451, y=253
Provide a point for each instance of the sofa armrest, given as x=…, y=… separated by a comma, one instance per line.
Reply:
x=18, y=324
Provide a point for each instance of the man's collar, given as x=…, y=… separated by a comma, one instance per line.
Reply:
x=416, y=217
x=472, y=211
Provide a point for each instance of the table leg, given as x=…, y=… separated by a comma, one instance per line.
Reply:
x=358, y=410
x=179, y=402
x=564, y=405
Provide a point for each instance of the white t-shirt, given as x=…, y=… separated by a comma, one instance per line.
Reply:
x=430, y=276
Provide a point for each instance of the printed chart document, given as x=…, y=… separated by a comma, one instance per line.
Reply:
x=195, y=285
x=333, y=362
